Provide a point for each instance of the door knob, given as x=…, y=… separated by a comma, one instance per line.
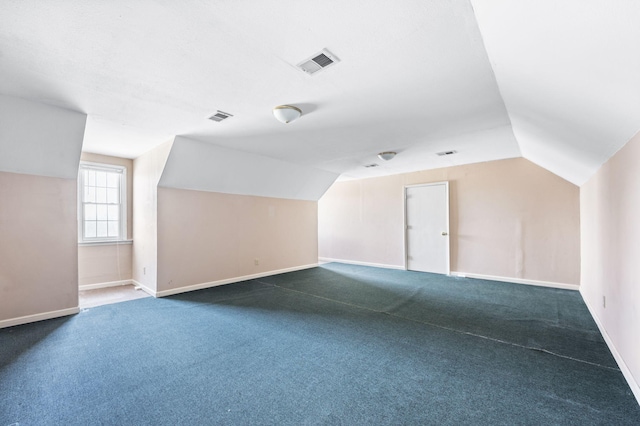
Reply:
x=445, y=233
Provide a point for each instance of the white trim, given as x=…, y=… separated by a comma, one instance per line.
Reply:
x=355, y=262
x=38, y=317
x=201, y=286
x=105, y=243
x=405, y=246
x=145, y=288
x=104, y=285
x=405, y=228
x=105, y=167
x=517, y=281
x=626, y=372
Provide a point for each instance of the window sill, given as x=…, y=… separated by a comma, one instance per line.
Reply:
x=104, y=243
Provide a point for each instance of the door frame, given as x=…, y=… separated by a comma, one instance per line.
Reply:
x=406, y=248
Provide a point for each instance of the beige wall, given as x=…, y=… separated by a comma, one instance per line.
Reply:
x=208, y=236
x=508, y=218
x=610, y=212
x=106, y=263
x=187, y=238
x=38, y=209
x=38, y=245
x=147, y=171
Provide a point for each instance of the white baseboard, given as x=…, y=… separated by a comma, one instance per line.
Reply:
x=145, y=288
x=104, y=285
x=633, y=384
x=355, y=262
x=201, y=286
x=517, y=281
x=38, y=317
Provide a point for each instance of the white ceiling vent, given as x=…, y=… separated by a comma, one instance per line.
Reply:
x=370, y=165
x=220, y=116
x=443, y=153
x=318, y=62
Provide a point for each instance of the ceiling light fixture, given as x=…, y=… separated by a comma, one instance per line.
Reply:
x=286, y=113
x=387, y=155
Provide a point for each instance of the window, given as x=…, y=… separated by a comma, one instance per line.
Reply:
x=102, y=214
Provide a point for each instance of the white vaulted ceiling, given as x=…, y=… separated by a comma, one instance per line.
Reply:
x=555, y=82
x=569, y=74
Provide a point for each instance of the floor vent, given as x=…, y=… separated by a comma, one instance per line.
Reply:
x=220, y=116
x=443, y=153
x=318, y=62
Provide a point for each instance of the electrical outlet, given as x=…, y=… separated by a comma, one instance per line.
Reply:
x=256, y=262
x=604, y=301
x=144, y=270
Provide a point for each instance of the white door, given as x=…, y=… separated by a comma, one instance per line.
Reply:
x=427, y=227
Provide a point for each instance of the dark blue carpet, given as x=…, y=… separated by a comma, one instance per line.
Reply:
x=337, y=344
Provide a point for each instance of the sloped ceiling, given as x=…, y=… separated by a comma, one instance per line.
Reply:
x=206, y=167
x=489, y=79
x=569, y=74
x=51, y=147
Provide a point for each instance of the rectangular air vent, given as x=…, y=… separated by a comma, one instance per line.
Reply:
x=443, y=153
x=370, y=165
x=219, y=116
x=318, y=62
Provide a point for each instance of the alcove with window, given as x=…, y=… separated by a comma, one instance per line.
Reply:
x=104, y=221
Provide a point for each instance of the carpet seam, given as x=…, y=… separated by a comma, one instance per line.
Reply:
x=493, y=339
x=269, y=285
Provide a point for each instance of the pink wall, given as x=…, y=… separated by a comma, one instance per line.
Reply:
x=207, y=236
x=38, y=245
x=610, y=212
x=508, y=219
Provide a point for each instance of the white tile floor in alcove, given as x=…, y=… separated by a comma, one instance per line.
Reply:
x=108, y=295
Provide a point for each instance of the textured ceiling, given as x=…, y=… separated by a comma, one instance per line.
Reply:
x=417, y=77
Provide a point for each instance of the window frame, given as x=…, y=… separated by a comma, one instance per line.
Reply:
x=122, y=231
